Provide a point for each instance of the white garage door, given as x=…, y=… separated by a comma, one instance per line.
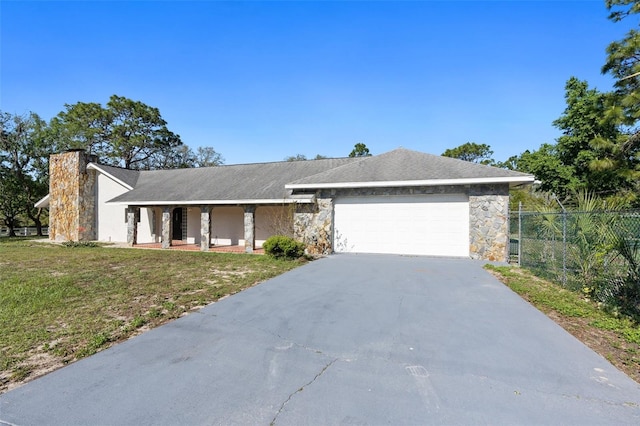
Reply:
x=433, y=225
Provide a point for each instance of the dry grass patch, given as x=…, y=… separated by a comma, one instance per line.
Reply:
x=60, y=304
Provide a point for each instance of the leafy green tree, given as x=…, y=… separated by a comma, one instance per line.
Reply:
x=181, y=157
x=588, y=155
x=137, y=132
x=360, y=150
x=623, y=56
x=12, y=200
x=586, y=128
x=82, y=125
x=620, y=156
x=545, y=164
x=125, y=133
x=471, y=151
x=24, y=167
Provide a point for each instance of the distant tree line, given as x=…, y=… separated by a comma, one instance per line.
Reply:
x=359, y=150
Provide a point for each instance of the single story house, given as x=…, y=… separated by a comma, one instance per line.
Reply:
x=402, y=202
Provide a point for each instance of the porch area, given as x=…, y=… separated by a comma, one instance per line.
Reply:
x=220, y=228
x=184, y=246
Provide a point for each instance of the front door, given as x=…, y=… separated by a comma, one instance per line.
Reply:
x=177, y=224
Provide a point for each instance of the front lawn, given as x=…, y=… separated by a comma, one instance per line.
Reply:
x=59, y=304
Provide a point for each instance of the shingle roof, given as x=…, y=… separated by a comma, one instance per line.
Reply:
x=276, y=181
x=127, y=176
x=259, y=181
x=401, y=165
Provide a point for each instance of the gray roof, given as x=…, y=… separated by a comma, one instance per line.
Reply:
x=259, y=181
x=406, y=165
x=130, y=177
x=277, y=181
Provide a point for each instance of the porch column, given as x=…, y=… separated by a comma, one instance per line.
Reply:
x=132, y=228
x=166, y=227
x=249, y=228
x=205, y=228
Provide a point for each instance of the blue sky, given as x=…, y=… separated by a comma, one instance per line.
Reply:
x=259, y=81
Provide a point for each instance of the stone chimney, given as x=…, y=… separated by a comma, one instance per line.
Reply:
x=72, y=209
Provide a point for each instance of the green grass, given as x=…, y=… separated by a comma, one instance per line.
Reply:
x=68, y=303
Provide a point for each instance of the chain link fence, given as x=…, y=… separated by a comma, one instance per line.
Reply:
x=595, y=253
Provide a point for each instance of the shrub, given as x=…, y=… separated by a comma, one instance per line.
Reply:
x=76, y=244
x=280, y=246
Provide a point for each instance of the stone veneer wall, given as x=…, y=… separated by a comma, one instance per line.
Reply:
x=489, y=222
x=313, y=225
x=72, y=215
x=488, y=217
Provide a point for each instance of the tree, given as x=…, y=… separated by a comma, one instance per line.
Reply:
x=181, y=157
x=620, y=156
x=125, y=133
x=206, y=156
x=12, y=200
x=302, y=157
x=23, y=167
x=360, y=150
x=82, y=125
x=545, y=164
x=137, y=131
x=471, y=151
x=587, y=157
x=586, y=127
x=297, y=157
x=599, y=150
x=623, y=56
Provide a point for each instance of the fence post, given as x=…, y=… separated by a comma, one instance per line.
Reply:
x=564, y=247
x=519, y=233
x=564, y=241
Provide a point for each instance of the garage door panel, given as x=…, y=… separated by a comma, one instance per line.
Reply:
x=436, y=225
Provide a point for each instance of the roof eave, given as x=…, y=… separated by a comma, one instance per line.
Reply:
x=43, y=203
x=515, y=180
x=109, y=175
x=213, y=202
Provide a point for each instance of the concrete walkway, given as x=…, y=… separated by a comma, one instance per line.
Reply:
x=349, y=339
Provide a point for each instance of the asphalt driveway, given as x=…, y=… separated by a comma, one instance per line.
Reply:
x=349, y=339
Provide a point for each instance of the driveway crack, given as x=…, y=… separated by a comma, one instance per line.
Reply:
x=273, y=422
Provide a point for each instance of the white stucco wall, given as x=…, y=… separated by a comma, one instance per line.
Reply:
x=272, y=220
x=110, y=218
x=149, y=228
x=227, y=226
x=193, y=225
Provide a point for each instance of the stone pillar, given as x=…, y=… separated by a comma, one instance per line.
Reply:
x=249, y=228
x=166, y=227
x=489, y=222
x=313, y=225
x=205, y=228
x=132, y=225
x=72, y=209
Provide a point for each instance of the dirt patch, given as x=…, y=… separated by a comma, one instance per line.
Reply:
x=37, y=365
